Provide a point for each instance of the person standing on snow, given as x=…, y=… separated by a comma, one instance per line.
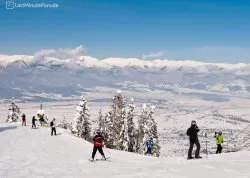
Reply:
x=149, y=145
x=23, y=120
x=53, y=126
x=98, y=144
x=192, y=132
x=219, y=141
x=33, y=122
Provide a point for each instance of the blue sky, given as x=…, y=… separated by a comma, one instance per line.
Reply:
x=210, y=31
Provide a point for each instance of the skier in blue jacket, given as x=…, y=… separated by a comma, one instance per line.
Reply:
x=149, y=145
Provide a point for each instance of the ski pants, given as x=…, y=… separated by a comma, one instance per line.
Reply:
x=24, y=122
x=53, y=130
x=197, y=152
x=99, y=148
x=219, y=148
x=149, y=151
x=33, y=125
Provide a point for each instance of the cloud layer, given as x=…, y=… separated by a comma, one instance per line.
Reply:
x=153, y=55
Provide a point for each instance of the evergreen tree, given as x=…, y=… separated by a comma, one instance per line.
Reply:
x=153, y=132
x=101, y=121
x=119, y=113
x=14, y=112
x=131, y=127
x=116, y=120
x=148, y=128
x=108, y=132
x=142, y=130
x=81, y=126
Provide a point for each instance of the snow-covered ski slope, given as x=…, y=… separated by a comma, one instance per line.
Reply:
x=26, y=152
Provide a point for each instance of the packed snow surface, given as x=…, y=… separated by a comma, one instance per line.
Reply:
x=27, y=152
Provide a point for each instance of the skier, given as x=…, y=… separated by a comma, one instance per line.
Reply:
x=53, y=126
x=219, y=141
x=149, y=145
x=33, y=122
x=193, y=138
x=23, y=120
x=41, y=120
x=98, y=144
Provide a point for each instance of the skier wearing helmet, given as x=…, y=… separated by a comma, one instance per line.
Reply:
x=98, y=144
x=192, y=132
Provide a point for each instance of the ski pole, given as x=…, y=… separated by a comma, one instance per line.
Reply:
x=206, y=144
x=107, y=150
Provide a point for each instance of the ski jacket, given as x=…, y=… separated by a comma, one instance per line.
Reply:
x=149, y=143
x=33, y=120
x=192, y=132
x=98, y=139
x=23, y=117
x=53, y=124
x=219, y=139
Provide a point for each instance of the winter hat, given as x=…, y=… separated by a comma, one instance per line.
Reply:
x=98, y=131
x=193, y=123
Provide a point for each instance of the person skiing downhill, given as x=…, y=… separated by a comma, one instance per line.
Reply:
x=149, y=145
x=23, y=120
x=33, y=122
x=53, y=126
x=192, y=132
x=219, y=141
x=98, y=144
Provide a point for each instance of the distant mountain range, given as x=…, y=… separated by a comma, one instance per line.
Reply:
x=32, y=77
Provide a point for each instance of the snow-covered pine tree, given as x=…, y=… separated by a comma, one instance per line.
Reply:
x=100, y=121
x=108, y=131
x=117, y=118
x=14, y=112
x=131, y=127
x=81, y=126
x=153, y=132
x=142, y=130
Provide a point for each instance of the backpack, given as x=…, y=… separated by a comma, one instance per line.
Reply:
x=51, y=123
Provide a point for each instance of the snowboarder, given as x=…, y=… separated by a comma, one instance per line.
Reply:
x=33, y=122
x=193, y=139
x=149, y=145
x=53, y=126
x=219, y=141
x=98, y=144
x=23, y=120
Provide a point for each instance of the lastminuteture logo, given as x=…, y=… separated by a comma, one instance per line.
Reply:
x=12, y=5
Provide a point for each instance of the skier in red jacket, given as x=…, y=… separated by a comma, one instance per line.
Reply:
x=98, y=144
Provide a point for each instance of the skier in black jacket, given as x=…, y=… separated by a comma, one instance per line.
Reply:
x=53, y=126
x=33, y=122
x=193, y=138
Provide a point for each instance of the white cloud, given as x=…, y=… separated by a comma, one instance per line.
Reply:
x=66, y=53
x=153, y=55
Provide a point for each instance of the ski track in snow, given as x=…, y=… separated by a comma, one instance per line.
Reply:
x=26, y=152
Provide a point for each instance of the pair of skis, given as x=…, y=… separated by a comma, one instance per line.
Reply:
x=100, y=159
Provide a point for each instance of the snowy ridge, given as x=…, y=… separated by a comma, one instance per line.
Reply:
x=88, y=61
x=24, y=154
x=66, y=72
